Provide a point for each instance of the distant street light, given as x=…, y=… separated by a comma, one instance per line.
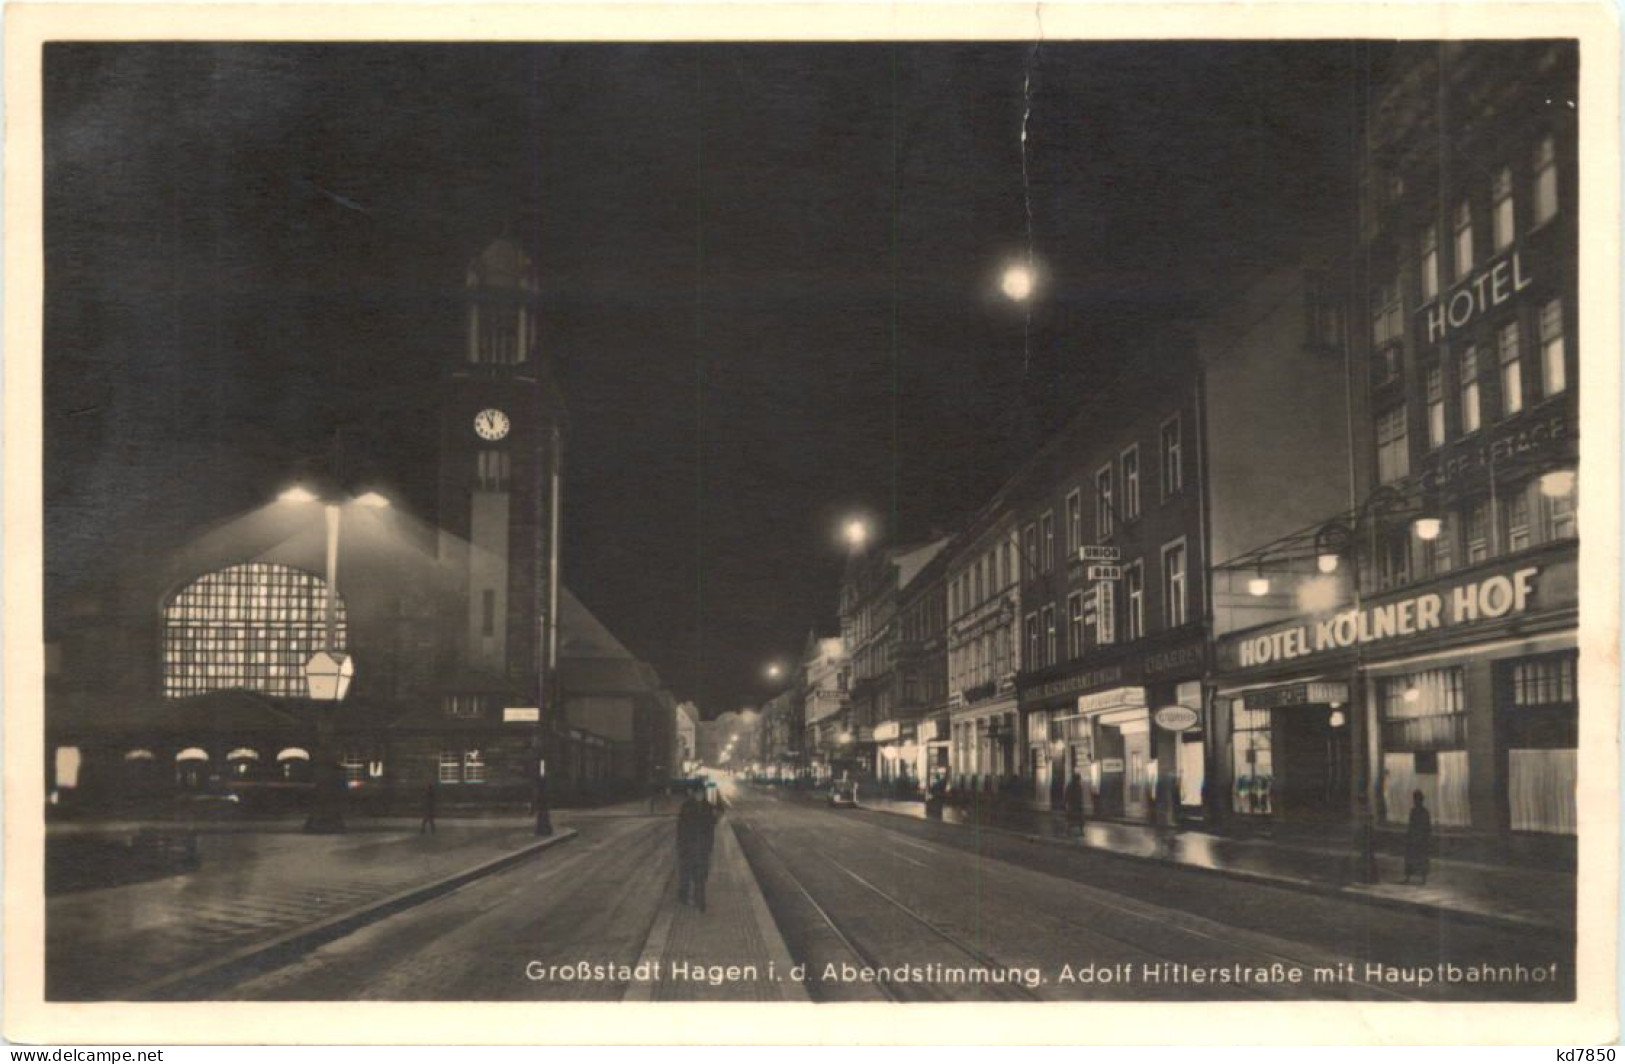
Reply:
x=857, y=533
x=774, y=671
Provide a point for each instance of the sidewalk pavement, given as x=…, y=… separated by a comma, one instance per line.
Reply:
x=1508, y=895
x=261, y=885
x=736, y=932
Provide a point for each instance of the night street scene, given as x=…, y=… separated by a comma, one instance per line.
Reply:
x=812, y=522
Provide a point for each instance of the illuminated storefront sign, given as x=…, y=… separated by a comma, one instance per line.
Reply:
x=1500, y=595
x=1298, y=694
x=1544, y=437
x=1483, y=291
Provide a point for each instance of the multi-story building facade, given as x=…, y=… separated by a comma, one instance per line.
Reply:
x=913, y=744
x=781, y=732
x=983, y=600
x=1109, y=516
x=826, y=702
x=869, y=598
x=1442, y=640
x=687, y=739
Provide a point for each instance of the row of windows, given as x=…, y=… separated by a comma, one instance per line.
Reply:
x=1454, y=396
x=462, y=766
x=1518, y=519
x=1099, y=608
x=499, y=340
x=1541, y=205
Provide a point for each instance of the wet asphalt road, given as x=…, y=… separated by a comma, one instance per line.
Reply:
x=880, y=907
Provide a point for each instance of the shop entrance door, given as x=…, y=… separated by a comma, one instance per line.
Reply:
x=1311, y=764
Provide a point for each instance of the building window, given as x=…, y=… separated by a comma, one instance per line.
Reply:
x=1046, y=541
x=1516, y=509
x=1131, y=483
x=1175, y=605
x=911, y=689
x=1559, y=517
x=1387, y=316
x=1393, y=446
x=1004, y=567
x=1033, y=661
x=1424, y=734
x=252, y=626
x=1430, y=263
x=1464, y=239
x=1074, y=625
x=1553, y=373
x=1030, y=563
x=1173, y=468
x=451, y=766
x=491, y=472
x=1503, y=219
x=488, y=612
x=1506, y=346
x=1435, y=396
x=1545, y=181
x=1103, y=504
x=473, y=766
x=1050, y=640
x=976, y=582
x=1477, y=532
x=1540, y=727
x=1467, y=371
x=1134, y=601
x=354, y=765
x=1543, y=682
x=1074, y=523
x=1394, y=559
x=467, y=707
x=1441, y=552
x=1252, y=766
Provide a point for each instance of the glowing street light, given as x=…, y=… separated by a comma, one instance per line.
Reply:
x=330, y=670
x=857, y=533
x=1018, y=282
x=774, y=670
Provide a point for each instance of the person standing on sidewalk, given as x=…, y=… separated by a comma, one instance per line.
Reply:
x=696, y=828
x=426, y=826
x=1418, y=839
x=1074, y=805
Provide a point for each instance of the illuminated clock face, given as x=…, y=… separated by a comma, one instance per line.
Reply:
x=491, y=424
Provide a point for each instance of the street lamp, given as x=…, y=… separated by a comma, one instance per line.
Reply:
x=856, y=533
x=774, y=671
x=329, y=671
x=1018, y=282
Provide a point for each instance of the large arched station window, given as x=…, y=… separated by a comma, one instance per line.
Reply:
x=252, y=626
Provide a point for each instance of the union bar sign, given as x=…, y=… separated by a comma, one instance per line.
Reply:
x=1500, y=595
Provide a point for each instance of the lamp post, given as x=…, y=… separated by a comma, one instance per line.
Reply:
x=1332, y=541
x=330, y=670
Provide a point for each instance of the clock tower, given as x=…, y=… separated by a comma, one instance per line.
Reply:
x=501, y=433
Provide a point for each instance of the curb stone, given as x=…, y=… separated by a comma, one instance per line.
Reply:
x=262, y=957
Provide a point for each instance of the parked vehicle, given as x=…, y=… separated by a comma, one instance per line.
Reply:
x=843, y=793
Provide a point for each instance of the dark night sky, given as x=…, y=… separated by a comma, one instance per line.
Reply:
x=768, y=277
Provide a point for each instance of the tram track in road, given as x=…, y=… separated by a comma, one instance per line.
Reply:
x=1180, y=940
x=890, y=988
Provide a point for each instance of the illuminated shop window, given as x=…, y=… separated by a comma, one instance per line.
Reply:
x=250, y=626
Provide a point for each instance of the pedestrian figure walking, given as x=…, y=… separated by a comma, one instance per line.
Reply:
x=1418, y=839
x=1074, y=805
x=426, y=827
x=696, y=827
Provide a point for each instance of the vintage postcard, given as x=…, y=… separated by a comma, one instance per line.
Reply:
x=605, y=524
